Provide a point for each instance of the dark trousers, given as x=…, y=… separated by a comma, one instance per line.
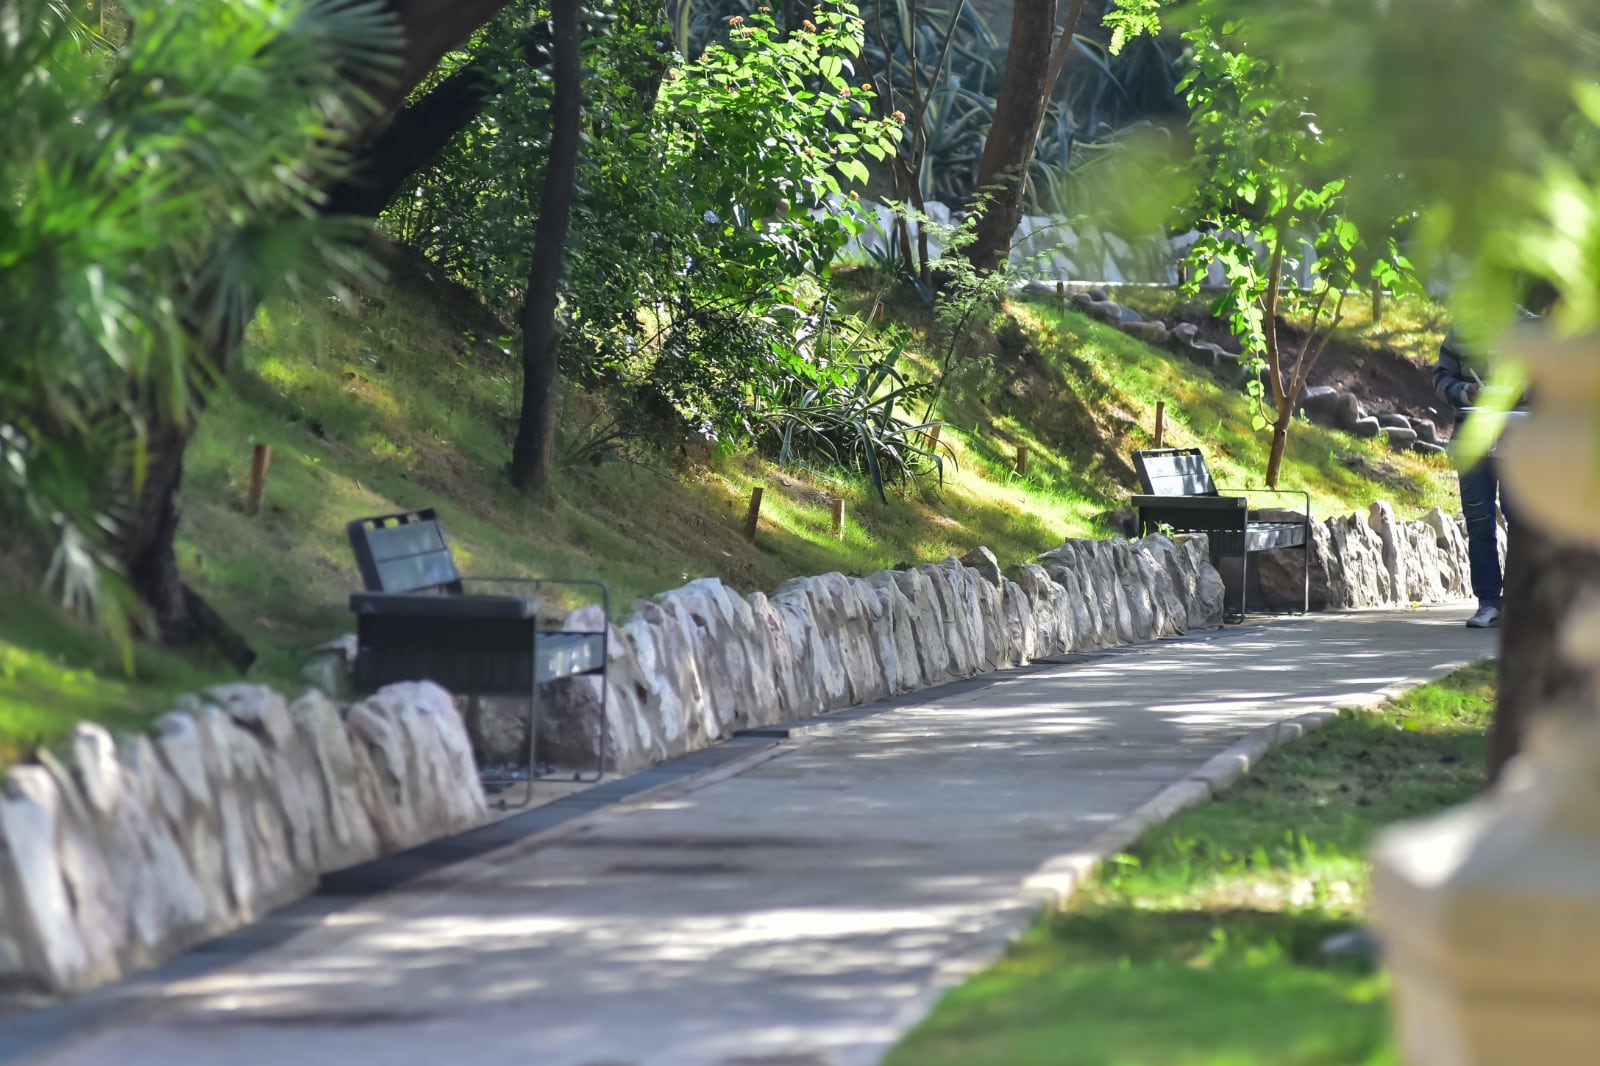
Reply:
x=1480, y=490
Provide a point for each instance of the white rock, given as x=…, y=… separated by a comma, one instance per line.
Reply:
x=36, y=885
x=343, y=834
x=898, y=615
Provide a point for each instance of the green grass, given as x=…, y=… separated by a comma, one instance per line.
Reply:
x=409, y=399
x=1200, y=946
x=54, y=672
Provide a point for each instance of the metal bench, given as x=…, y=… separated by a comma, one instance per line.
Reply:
x=1179, y=495
x=415, y=622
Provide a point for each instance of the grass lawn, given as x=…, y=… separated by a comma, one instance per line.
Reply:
x=1200, y=946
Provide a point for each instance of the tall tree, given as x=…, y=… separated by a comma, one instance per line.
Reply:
x=531, y=454
x=1034, y=58
x=145, y=540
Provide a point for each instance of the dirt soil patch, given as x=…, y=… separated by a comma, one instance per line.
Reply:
x=1383, y=379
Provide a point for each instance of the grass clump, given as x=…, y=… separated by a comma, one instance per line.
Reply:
x=1200, y=946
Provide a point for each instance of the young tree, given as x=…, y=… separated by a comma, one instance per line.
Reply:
x=1269, y=184
x=1491, y=136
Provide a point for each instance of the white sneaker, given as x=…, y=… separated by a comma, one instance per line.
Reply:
x=1486, y=618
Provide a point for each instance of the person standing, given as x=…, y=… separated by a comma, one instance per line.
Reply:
x=1458, y=379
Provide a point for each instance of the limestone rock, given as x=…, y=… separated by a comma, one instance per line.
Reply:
x=1346, y=411
x=1319, y=402
x=1393, y=420
x=1366, y=427
x=895, y=631
x=1280, y=580
x=343, y=830
x=37, y=885
x=983, y=561
x=1401, y=439
x=933, y=650
x=1152, y=333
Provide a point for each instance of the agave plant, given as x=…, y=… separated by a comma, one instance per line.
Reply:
x=850, y=411
x=153, y=188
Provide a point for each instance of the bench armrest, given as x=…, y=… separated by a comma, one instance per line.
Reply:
x=1192, y=503
x=1280, y=492
x=536, y=583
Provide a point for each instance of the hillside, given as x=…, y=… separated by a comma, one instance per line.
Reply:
x=408, y=399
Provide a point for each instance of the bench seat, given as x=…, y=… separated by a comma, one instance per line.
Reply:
x=415, y=622
x=1179, y=496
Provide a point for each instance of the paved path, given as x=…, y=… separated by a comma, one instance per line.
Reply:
x=802, y=911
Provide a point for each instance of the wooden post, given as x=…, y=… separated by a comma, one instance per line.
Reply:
x=1377, y=301
x=1061, y=294
x=933, y=437
x=1161, y=421
x=838, y=518
x=260, y=459
x=1022, y=460
x=754, y=515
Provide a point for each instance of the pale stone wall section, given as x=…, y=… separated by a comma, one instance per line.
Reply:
x=127, y=851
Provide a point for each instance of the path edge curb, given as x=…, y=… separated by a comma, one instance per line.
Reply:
x=1056, y=881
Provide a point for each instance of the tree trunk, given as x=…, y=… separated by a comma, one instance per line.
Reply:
x=1032, y=67
x=1280, y=440
x=531, y=454
x=412, y=140
x=1547, y=582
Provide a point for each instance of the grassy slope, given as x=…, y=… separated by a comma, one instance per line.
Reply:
x=1199, y=948
x=405, y=402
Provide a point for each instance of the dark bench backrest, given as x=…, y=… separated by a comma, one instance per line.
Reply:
x=403, y=553
x=1174, y=472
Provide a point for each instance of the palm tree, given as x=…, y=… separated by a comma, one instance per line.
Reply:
x=155, y=185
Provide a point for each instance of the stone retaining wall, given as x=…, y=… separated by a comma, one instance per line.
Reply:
x=132, y=848
x=697, y=663
x=1371, y=560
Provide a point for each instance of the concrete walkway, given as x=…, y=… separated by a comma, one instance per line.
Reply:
x=798, y=908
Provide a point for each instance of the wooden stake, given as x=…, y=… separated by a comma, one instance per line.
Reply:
x=933, y=436
x=1061, y=292
x=1022, y=460
x=1161, y=421
x=838, y=518
x=754, y=515
x=1377, y=302
x=260, y=459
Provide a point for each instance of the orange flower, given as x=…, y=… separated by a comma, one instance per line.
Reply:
x=737, y=20
x=865, y=87
x=899, y=116
x=845, y=91
x=808, y=25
